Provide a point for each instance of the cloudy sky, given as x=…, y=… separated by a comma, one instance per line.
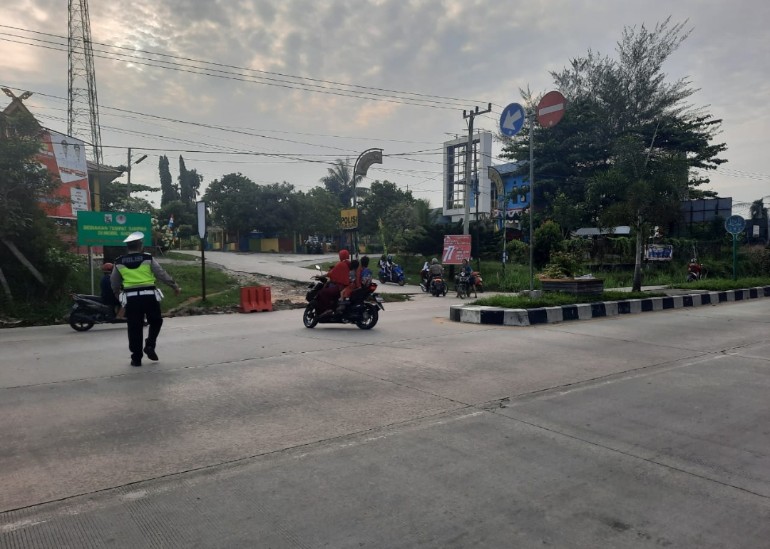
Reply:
x=277, y=90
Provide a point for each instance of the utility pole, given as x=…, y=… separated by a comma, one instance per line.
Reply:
x=470, y=115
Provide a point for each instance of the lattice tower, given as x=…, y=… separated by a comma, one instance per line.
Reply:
x=81, y=89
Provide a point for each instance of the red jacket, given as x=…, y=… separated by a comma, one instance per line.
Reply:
x=340, y=274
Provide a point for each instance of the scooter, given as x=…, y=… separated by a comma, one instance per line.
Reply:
x=437, y=286
x=478, y=282
x=363, y=309
x=396, y=275
x=89, y=310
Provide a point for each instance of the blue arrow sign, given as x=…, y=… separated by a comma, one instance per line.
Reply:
x=512, y=119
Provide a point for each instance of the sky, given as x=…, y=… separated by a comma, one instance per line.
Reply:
x=278, y=90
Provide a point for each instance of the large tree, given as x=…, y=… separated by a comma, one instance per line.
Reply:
x=232, y=201
x=340, y=182
x=381, y=198
x=643, y=189
x=610, y=100
x=189, y=183
x=32, y=262
x=169, y=192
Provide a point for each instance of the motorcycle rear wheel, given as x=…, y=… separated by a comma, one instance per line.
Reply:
x=402, y=282
x=369, y=317
x=310, y=316
x=80, y=323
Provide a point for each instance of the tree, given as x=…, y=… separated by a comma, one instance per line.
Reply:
x=169, y=192
x=275, y=207
x=382, y=197
x=317, y=212
x=340, y=182
x=643, y=189
x=232, y=201
x=30, y=249
x=189, y=183
x=609, y=100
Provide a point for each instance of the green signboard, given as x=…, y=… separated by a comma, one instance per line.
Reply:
x=110, y=228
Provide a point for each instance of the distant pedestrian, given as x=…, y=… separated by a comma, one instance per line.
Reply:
x=135, y=275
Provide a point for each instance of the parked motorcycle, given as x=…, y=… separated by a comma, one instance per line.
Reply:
x=89, y=310
x=396, y=275
x=478, y=282
x=695, y=271
x=437, y=286
x=363, y=309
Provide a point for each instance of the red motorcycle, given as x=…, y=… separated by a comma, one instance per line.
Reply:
x=478, y=282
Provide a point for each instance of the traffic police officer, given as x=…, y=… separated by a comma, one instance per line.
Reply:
x=135, y=274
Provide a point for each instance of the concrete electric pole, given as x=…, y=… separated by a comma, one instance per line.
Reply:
x=470, y=115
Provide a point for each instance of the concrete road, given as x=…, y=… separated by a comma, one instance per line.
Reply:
x=252, y=431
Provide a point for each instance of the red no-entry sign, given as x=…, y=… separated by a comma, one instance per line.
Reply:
x=550, y=109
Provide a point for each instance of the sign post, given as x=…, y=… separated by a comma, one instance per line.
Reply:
x=201, y=206
x=735, y=225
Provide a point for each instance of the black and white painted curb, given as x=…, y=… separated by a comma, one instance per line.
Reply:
x=476, y=314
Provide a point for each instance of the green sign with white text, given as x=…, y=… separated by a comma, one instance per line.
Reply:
x=110, y=228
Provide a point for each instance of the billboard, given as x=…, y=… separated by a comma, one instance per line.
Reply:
x=110, y=228
x=65, y=158
x=456, y=248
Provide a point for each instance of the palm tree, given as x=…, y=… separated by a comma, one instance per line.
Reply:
x=340, y=181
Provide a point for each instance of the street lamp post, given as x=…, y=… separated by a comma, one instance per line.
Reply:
x=128, y=170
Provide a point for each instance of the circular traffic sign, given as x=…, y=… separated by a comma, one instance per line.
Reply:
x=512, y=119
x=550, y=110
x=735, y=224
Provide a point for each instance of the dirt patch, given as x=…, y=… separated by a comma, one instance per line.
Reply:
x=285, y=294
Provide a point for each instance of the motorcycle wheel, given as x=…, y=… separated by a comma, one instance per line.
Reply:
x=480, y=288
x=80, y=323
x=310, y=316
x=369, y=317
x=402, y=282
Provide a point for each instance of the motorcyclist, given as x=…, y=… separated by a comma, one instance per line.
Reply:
x=435, y=270
x=467, y=270
x=339, y=278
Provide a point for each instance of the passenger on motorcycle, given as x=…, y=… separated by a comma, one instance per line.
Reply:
x=339, y=278
x=108, y=296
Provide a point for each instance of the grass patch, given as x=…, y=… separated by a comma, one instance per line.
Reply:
x=221, y=289
x=555, y=299
x=724, y=284
x=179, y=256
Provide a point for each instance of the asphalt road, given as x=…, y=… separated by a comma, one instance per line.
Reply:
x=648, y=430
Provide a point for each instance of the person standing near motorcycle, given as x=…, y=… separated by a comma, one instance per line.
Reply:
x=468, y=271
x=339, y=278
x=108, y=296
x=135, y=273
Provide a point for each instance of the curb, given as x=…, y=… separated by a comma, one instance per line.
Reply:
x=478, y=314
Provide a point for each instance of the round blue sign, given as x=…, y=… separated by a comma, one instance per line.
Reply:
x=512, y=119
x=735, y=224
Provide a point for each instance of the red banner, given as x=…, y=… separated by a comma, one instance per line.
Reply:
x=65, y=157
x=456, y=248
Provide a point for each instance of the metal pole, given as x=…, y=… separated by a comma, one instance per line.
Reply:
x=531, y=200
x=128, y=169
x=203, y=268
x=735, y=256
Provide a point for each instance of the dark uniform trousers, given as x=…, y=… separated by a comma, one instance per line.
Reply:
x=137, y=307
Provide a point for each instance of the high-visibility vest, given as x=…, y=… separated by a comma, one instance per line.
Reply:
x=135, y=270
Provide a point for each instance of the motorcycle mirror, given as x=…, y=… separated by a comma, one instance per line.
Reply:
x=318, y=267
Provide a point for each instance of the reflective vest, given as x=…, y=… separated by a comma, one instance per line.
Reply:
x=135, y=270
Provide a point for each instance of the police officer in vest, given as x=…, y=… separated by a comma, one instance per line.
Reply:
x=135, y=274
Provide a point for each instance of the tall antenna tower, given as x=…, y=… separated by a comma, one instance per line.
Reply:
x=81, y=88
